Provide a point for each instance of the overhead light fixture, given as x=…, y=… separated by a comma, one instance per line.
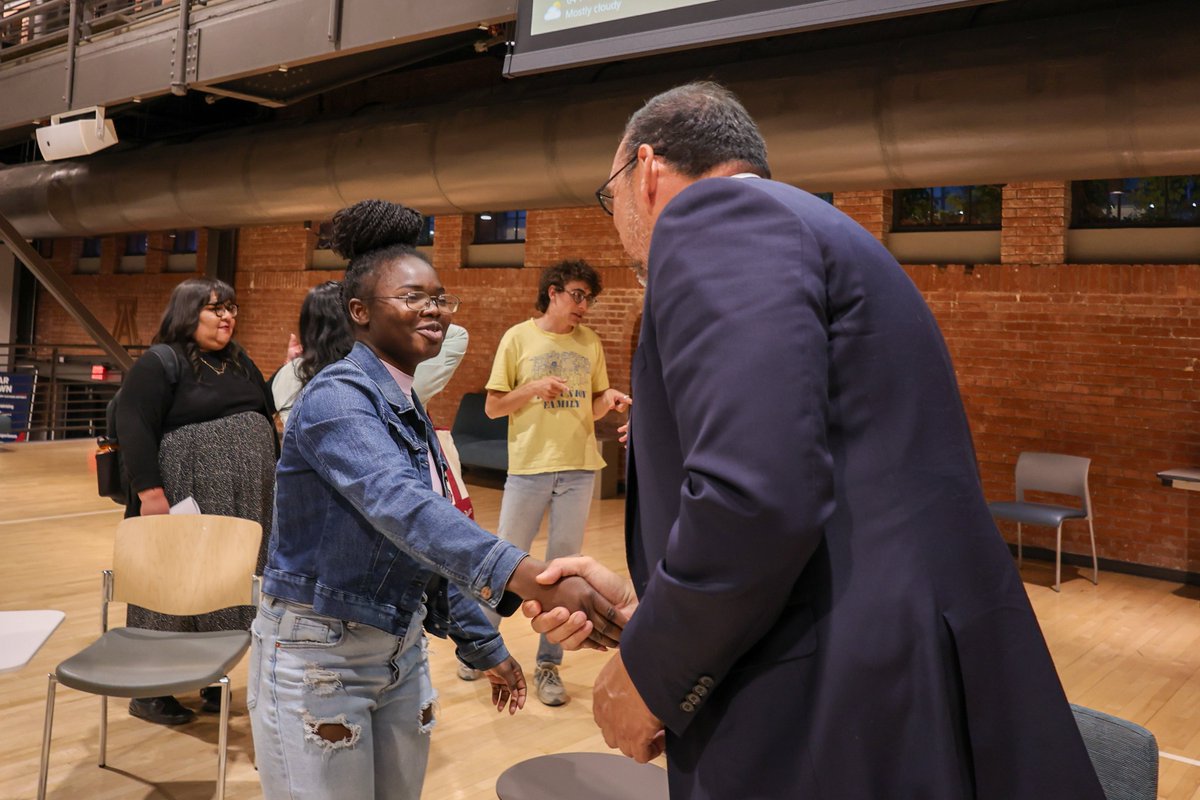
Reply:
x=486, y=217
x=76, y=133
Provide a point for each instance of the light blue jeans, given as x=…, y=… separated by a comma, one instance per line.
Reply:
x=367, y=690
x=568, y=495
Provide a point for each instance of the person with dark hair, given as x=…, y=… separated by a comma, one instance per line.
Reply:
x=367, y=553
x=549, y=378
x=824, y=607
x=324, y=338
x=201, y=430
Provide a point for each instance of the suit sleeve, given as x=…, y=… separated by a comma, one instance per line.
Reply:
x=737, y=303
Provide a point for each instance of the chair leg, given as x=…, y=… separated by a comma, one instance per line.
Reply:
x=223, y=737
x=1019, y=545
x=1058, y=559
x=103, y=731
x=1095, y=562
x=44, y=770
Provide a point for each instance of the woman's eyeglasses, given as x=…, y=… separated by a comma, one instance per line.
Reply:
x=419, y=301
x=222, y=310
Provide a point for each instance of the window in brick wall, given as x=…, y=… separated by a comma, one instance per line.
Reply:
x=136, y=244
x=325, y=235
x=939, y=208
x=183, y=242
x=1171, y=201
x=426, y=237
x=91, y=247
x=500, y=227
x=826, y=196
x=44, y=247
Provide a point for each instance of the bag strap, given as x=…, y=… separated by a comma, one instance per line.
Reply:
x=170, y=361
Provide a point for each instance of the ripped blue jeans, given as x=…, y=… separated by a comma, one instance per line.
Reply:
x=338, y=709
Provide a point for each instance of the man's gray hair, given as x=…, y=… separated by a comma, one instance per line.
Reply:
x=696, y=127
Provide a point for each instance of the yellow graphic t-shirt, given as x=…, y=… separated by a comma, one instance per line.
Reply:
x=551, y=435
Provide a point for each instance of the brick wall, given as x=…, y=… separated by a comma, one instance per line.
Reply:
x=1094, y=360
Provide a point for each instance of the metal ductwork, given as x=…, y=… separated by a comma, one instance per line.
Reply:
x=1096, y=95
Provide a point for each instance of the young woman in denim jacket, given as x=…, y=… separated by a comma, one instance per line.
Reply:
x=367, y=553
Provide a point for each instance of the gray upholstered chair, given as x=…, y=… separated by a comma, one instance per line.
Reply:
x=1054, y=474
x=1125, y=755
x=175, y=564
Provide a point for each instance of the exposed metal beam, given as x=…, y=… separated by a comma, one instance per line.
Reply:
x=62, y=292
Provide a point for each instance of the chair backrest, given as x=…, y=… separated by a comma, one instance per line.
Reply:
x=1125, y=755
x=185, y=563
x=1056, y=473
x=471, y=420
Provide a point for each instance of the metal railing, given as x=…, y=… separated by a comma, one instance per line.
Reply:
x=30, y=25
x=67, y=398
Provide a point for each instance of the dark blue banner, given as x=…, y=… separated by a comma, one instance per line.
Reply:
x=16, y=399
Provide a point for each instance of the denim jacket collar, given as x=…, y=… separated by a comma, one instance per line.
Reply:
x=365, y=359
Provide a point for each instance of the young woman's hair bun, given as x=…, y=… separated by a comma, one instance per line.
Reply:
x=372, y=225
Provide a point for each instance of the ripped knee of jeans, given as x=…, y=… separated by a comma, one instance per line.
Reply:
x=331, y=733
x=321, y=681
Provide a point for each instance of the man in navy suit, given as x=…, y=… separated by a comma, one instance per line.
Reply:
x=825, y=607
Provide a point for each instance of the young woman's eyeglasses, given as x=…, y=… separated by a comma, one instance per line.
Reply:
x=222, y=310
x=580, y=296
x=419, y=301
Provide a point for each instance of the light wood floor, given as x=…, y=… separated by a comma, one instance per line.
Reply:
x=1130, y=646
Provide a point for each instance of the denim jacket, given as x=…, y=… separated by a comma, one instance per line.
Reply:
x=359, y=533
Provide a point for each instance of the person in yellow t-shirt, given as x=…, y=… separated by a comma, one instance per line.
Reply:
x=550, y=380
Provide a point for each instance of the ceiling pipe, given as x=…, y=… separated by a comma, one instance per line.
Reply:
x=1095, y=95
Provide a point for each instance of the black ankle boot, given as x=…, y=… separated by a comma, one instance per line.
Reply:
x=211, y=695
x=160, y=710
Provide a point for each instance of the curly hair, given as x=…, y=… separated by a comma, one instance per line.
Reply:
x=324, y=329
x=182, y=316
x=372, y=233
x=563, y=273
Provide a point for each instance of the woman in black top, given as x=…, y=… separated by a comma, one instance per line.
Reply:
x=208, y=435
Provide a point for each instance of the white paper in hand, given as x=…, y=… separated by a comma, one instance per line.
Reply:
x=186, y=506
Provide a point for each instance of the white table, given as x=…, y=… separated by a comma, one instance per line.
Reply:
x=22, y=633
x=1181, y=478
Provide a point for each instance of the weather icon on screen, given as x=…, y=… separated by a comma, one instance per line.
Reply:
x=553, y=12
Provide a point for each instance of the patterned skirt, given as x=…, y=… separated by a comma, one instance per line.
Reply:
x=228, y=466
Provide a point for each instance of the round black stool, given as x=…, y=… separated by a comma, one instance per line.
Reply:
x=582, y=776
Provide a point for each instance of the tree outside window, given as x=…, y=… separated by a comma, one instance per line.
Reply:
x=1170, y=201
x=948, y=208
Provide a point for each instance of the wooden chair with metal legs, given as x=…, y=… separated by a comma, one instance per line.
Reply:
x=1054, y=474
x=174, y=564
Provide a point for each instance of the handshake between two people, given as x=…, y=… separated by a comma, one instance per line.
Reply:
x=623, y=717
x=576, y=601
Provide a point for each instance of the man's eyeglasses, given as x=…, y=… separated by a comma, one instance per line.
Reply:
x=222, y=309
x=580, y=296
x=419, y=301
x=603, y=195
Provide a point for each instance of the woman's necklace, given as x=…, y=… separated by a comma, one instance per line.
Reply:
x=220, y=371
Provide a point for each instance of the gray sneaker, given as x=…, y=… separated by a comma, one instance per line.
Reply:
x=549, y=686
x=465, y=673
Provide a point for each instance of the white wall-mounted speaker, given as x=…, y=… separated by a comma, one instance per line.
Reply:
x=71, y=138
